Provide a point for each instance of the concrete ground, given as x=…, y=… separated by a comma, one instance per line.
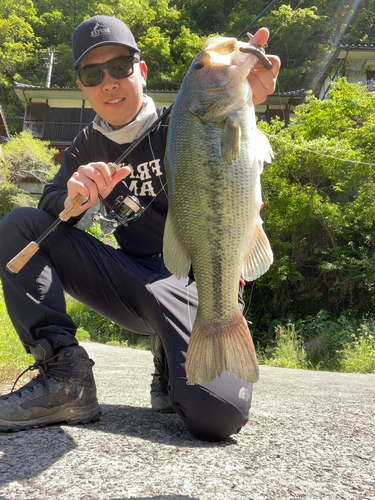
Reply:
x=311, y=435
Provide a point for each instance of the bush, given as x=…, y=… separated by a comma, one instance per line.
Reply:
x=319, y=212
x=289, y=351
x=359, y=356
x=23, y=158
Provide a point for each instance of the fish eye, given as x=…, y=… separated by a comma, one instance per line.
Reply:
x=198, y=65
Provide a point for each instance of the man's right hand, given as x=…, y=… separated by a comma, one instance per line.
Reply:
x=90, y=181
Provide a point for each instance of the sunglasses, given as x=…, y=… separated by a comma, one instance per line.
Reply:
x=118, y=67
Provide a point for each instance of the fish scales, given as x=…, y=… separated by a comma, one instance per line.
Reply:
x=214, y=159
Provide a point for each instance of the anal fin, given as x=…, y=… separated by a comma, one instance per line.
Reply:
x=260, y=256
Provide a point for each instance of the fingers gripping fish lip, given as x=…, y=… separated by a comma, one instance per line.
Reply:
x=259, y=53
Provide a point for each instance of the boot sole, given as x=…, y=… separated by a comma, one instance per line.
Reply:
x=71, y=415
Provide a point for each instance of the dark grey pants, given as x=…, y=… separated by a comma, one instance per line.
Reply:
x=139, y=294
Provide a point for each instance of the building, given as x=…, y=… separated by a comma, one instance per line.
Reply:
x=355, y=62
x=59, y=114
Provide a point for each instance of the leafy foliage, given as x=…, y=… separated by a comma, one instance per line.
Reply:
x=23, y=158
x=359, y=356
x=320, y=214
x=171, y=34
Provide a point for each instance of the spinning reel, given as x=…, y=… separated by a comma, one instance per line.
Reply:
x=124, y=212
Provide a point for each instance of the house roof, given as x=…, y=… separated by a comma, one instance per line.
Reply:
x=27, y=93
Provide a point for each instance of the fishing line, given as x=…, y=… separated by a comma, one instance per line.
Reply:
x=249, y=303
x=256, y=19
x=301, y=148
x=281, y=25
x=162, y=185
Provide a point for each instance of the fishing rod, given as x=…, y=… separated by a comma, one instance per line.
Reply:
x=132, y=209
x=18, y=262
x=245, y=31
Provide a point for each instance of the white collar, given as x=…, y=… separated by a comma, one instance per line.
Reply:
x=132, y=130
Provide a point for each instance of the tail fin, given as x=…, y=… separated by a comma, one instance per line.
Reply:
x=210, y=352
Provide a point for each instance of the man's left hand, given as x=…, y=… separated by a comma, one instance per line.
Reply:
x=262, y=80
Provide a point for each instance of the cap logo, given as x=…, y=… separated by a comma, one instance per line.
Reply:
x=98, y=30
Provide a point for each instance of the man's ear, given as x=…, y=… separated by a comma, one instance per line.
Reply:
x=80, y=85
x=143, y=69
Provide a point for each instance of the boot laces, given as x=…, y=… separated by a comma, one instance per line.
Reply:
x=51, y=367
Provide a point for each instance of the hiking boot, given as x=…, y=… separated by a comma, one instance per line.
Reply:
x=160, y=400
x=64, y=391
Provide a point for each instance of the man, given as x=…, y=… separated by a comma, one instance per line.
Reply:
x=131, y=285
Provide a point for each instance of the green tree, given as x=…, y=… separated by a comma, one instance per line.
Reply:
x=320, y=213
x=18, y=52
x=156, y=50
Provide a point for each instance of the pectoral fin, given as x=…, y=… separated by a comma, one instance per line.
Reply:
x=260, y=256
x=230, y=140
x=176, y=257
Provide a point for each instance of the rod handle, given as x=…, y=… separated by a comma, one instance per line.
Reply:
x=71, y=208
x=17, y=263
x=78, y=200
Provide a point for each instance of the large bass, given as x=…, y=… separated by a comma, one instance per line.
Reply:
x=214, y=159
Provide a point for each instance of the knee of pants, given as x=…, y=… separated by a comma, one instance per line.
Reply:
x=21, y=219
x=210, y=417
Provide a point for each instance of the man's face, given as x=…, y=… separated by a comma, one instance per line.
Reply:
x=116, y=101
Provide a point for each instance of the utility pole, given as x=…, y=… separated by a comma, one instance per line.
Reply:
x=49, y=66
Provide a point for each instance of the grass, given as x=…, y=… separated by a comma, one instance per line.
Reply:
x=359, y=356
x=92, y=326
x=323, y=352
x=288, y=352
x=315, y=343
x=13, y=357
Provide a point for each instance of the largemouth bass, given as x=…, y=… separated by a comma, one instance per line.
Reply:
x=214, y=159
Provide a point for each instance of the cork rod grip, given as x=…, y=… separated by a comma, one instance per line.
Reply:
x=78, y=200
x=17, y=263
x=72, y=207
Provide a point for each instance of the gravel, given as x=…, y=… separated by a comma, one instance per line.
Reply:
x=310, y=436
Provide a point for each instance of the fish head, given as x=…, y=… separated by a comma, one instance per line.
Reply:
x=216, y=83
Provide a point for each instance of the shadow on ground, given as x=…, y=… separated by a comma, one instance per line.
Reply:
x=26, y=454
x=45, y=446
x=140, y=422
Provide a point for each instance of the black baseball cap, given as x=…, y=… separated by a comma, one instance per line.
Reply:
x=98, y=31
